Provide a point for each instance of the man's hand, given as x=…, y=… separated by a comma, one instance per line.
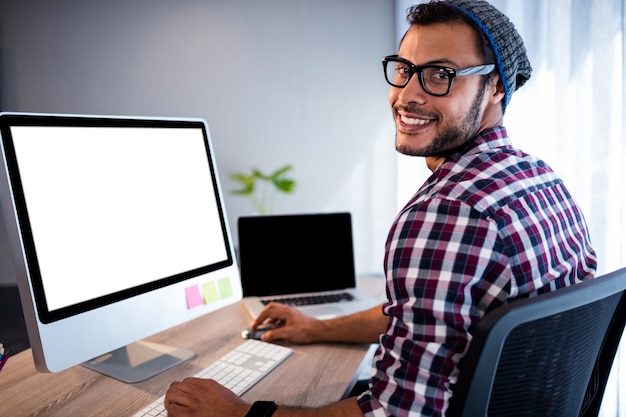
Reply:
x=195, y=397
x=291, y=325
x=294, y=326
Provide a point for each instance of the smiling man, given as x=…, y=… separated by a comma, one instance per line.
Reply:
x=491, y=224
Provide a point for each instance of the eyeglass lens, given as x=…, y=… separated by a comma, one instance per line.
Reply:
x=435, y=80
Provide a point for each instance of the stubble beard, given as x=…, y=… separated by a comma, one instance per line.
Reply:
x=450, y=136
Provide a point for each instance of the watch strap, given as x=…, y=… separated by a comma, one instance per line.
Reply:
x=262, y=409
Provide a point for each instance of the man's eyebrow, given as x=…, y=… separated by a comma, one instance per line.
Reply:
x=443, y=62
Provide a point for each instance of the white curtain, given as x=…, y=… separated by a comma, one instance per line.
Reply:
x=571, y=114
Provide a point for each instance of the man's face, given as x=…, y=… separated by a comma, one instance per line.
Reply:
x=427, y=125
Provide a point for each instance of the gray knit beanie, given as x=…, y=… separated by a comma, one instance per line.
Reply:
x=512, y=62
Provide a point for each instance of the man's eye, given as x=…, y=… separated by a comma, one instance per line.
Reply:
x=440, y=74
x=436, y=75
x=403, y=70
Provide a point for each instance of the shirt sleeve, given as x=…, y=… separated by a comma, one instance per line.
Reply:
x=445, y=265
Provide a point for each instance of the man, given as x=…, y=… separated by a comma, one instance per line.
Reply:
x=491, y=224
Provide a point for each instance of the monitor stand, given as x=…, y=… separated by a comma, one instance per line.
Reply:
x=138, y=361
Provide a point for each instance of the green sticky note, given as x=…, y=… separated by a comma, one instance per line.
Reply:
x=209, y=291
x=226, y=290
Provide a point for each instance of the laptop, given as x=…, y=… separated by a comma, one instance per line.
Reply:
x=304, y=260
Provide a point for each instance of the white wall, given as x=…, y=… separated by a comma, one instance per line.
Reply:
x=279, y=81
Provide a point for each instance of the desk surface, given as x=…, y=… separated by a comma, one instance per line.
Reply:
x=312, y=376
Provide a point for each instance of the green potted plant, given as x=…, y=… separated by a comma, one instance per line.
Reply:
x=261, y=188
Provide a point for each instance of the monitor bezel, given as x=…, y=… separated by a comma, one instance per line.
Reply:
x=45, y=315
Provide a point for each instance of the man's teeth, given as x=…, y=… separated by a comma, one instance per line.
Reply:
x=413, y=122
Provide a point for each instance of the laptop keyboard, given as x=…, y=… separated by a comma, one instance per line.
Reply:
x=312, y=299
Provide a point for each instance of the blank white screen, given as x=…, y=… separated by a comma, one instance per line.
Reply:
x=113, y=208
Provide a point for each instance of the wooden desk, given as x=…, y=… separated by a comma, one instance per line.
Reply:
x=312, y=376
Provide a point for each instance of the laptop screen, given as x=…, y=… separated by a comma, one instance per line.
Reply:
x=290, y=254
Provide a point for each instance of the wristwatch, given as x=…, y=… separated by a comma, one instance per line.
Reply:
x=262, y=409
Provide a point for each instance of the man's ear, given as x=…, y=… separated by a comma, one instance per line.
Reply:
x=497, y=91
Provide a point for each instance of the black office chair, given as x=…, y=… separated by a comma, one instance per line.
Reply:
x=546, y=356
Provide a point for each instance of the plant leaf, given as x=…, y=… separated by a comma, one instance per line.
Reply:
x=256, y=173
x=247, y=182
x=285, y=185
x=280, y=171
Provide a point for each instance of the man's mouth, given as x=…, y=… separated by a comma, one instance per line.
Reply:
x=412, y=121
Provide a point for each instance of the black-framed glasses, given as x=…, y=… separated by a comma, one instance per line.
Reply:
x=434, y=79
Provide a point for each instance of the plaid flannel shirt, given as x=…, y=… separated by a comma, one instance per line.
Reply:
x=490, y=224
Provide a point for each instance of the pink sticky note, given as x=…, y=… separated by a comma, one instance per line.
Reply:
x=194, y=298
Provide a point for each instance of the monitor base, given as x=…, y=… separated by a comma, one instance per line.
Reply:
x=138, y=361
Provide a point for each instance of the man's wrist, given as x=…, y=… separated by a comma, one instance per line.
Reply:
x=262, y=409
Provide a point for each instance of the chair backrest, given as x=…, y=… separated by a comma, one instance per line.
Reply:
x=547, y=356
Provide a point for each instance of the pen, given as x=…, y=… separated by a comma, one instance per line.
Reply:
x=4, y=356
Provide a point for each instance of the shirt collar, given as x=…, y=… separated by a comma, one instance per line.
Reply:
x=492, y=138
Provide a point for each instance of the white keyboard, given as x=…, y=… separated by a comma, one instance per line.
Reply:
x=238, y=370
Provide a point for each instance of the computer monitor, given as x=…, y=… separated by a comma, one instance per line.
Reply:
x=118, y=231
